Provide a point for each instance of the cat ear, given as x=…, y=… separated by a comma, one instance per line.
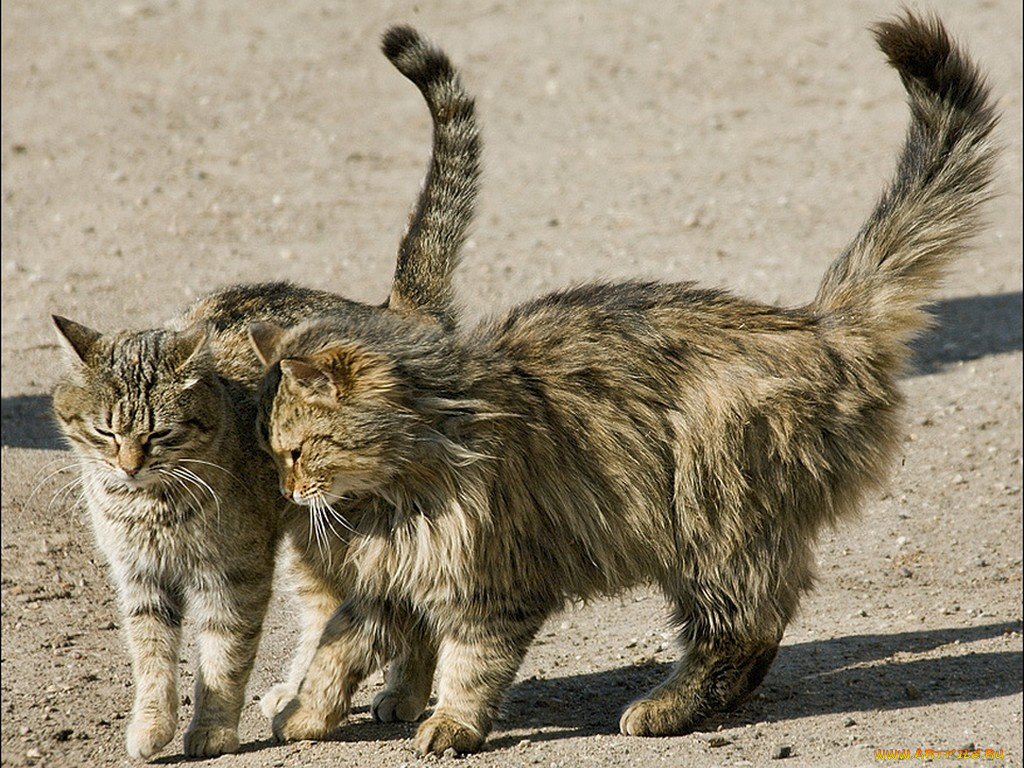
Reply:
x=354, y=370
x=309, y=376
x=188, y=346
x=76, y=338
x=265, y=339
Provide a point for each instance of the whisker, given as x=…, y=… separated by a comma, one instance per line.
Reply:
x=67, y=489
x=214, y=465
x=187, y=474
x=338, y=517
x=75, y=467
x=322, y=528
x=178, y=488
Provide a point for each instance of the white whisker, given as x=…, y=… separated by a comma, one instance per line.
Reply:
x=189, y=475
x=179, y=487
x=214, y=465
x=338, y=517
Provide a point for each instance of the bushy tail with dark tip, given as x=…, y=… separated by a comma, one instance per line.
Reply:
x=429, y=251
x=880, y=284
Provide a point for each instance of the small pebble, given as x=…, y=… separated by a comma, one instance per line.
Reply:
x=450, y=753
x=782, y=751
x=912, y=691
x=849, y=722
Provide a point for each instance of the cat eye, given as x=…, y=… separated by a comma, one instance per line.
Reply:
x=104, y=432
x=159, y=434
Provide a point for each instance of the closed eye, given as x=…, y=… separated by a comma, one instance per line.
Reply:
x=159, y=434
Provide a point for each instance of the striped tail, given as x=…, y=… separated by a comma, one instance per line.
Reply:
x=437, y=229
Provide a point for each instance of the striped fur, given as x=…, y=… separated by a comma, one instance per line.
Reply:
x=614, y=435
x=437, y=228
x=187, y=510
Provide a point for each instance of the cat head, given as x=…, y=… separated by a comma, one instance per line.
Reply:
x=137, y=407
x=336, y=421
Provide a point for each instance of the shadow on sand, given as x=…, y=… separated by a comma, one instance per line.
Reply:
x=843, y=675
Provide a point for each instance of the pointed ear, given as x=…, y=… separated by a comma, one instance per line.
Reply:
x=355, y=370
x=266, y=340
x=188, y=345
x=77, y=339
x=312, y=378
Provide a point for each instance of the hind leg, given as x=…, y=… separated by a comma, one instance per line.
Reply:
x=712, y=676
x=732, y=611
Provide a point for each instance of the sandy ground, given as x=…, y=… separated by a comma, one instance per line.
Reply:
x=154, y=149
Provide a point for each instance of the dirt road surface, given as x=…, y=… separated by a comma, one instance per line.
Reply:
x=155, y=149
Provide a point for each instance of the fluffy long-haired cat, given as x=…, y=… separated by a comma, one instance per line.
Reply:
x=187, y=510
x=619, y=434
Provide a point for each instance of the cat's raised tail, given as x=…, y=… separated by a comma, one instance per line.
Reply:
x=437, y=229
x=880, y=284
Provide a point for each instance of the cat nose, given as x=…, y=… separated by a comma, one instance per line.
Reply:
x=130, y=456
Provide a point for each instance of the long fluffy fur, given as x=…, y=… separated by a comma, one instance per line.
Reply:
x=612, y=435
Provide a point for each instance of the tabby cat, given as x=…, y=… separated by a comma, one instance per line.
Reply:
x=618, y=434
x=187, y=510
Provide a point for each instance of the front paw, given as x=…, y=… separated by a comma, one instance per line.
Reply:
x=439, y=734
x=657, y=717
x=276, y=699
x=296, y=722
x=210, y=742
x=148, y=734
x=390, y=706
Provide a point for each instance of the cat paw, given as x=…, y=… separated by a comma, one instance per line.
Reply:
x=276, y=699
x=439, y=734
x=396, y=706
x=656, y=717
x=296, y=722
x=210, y=742
x=147, y=735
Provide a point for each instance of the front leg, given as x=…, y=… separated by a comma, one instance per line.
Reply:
x=476, y=666
x=314, y=620
x=230, y=624
x=409, y=678
x=152, y=618
x=345, y=656
x=319, y=598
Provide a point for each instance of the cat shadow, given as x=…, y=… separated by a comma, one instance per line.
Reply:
x=361, y=728
x=969, y=328
x=845, y=675
x=27, y=422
